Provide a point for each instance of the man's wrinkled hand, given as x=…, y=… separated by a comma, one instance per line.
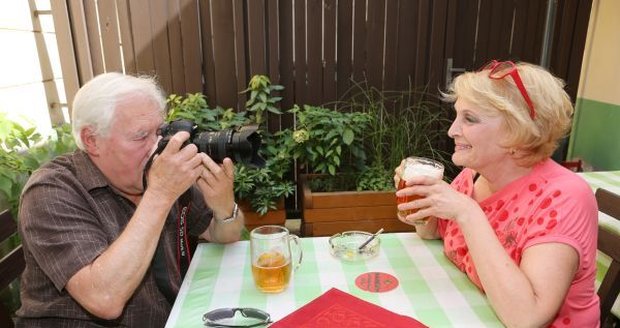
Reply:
x=216, y=182
x=175, y=169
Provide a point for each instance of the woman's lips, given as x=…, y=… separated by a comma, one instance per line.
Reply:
x=461, y=147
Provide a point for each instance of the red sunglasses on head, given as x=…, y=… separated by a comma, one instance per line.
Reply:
x=499, y=70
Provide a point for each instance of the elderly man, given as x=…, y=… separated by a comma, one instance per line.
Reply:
x=101, y=250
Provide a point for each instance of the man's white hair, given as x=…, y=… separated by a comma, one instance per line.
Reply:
x=95, y=103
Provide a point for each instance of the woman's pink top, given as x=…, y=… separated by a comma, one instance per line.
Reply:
x=549, y=205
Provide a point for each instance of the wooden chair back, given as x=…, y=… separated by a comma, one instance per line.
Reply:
x=11, y=265
x=575, y=166
x=609, y=243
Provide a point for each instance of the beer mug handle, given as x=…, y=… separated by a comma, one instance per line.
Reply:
x=295, y=239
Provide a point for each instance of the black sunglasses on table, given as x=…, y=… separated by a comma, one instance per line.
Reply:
x=213, y=318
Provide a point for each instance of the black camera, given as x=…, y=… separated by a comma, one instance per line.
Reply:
x=240, y=145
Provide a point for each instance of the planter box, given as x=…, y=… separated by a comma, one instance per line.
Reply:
x=327, y=213
x=253, y=219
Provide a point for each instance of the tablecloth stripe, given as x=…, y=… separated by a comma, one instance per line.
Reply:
x=304, y=279
x=400, y=304
x=609, y=180
x=196, y=291
x=462, y=303
x=410, y=259
x=477, y=301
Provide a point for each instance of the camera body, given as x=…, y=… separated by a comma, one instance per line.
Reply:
x=240, y=145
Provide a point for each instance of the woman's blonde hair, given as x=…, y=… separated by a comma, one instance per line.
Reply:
x=533, y=139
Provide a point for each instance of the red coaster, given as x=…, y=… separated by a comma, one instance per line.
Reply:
x=376, y=282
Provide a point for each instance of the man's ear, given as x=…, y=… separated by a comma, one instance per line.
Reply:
x=90, y=140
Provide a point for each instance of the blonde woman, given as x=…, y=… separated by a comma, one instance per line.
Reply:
x=522, y=227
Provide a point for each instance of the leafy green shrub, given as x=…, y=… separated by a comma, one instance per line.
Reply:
x=23, y=150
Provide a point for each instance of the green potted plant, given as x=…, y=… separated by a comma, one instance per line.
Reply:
x=361, y=195
x=23, y=150
x=260, y=190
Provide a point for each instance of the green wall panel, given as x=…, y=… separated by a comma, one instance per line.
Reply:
x=596, y=134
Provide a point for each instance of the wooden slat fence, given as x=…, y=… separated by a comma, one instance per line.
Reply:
x=314, y=48
x=514, y=30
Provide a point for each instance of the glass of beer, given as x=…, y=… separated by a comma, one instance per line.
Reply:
x=412, y=167
x=272, y=264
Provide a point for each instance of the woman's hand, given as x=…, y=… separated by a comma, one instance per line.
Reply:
x=439, y=199
x=398, y=172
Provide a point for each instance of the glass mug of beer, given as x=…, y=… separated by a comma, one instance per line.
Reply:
x=272, y=260
x=412, y=167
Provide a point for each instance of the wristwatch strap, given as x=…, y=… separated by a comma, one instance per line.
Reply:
x=233, y=216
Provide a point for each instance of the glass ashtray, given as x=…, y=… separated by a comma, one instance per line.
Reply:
x=345, y=245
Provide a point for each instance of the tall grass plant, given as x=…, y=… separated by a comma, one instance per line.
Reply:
x=403, y=123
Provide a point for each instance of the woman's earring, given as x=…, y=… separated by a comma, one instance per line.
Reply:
x=513, y=151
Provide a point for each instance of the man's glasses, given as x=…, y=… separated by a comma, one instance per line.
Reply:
x=499, y=70
x=214, y=318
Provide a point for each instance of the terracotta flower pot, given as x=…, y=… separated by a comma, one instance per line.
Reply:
x=253, y=219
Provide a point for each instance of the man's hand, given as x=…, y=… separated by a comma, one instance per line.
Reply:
x=175, y=169
x=216, y=183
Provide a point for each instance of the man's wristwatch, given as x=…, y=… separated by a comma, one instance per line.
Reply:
x=233, y=216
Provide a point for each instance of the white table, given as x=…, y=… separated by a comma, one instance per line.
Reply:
x=431, y=289
x=609, y=180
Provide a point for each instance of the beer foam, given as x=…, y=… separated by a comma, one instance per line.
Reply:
x=417, y=169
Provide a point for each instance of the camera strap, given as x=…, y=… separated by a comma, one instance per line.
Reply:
x=183, y=251
x=147, y=167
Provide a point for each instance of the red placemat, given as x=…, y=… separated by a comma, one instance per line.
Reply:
x=338, y=309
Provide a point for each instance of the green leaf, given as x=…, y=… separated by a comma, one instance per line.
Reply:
x=332, y=169
x=275, y=99
x=253, y=95
x=274, y=110
x=276, y=87
x=255, y=107
x=348, y=136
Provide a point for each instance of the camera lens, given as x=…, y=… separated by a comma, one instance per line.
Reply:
x=240, y=146
x=214, y=144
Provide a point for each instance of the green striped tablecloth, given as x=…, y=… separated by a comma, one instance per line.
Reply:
x=431, y=289
x=609, y=180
